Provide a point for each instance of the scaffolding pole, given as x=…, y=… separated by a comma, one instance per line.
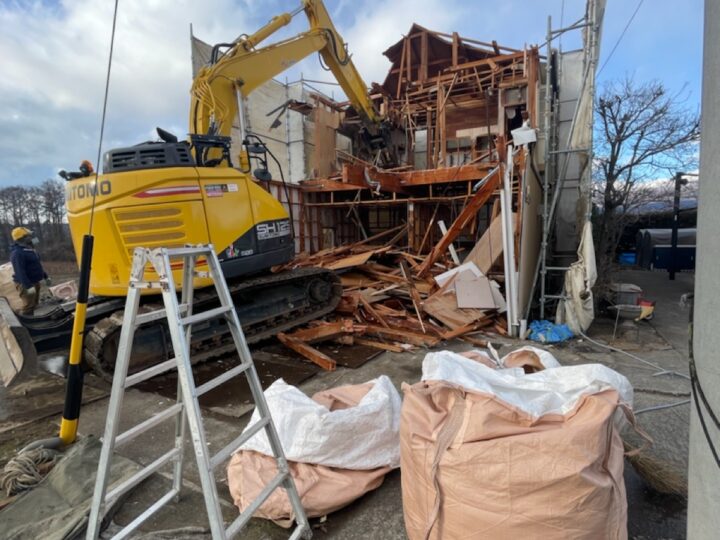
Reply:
x=550, y=180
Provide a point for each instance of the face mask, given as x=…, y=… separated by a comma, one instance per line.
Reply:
x=35, y=241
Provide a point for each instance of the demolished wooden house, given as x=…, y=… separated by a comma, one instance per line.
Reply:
x=459, y=189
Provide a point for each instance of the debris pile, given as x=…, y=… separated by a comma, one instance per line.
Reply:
x=396, y=300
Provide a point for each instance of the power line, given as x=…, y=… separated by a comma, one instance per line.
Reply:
x=640, y=3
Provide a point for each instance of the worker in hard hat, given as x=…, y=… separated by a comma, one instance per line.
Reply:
x=28, y=269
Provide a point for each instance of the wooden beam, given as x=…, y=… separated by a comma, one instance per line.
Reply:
x=408, y=61
x=500, y=59
x=400, y=70
x=423, y=57
x=371, y=310
x=326, y=331
x=379, y=345
x=305, y=350
x=480, y=197
x=414, y=294
x=462, y=173
x=354, y=174
x=472, y=327
x=455, y=46
x=402, y=336
x=328, y=184
x=532, y=87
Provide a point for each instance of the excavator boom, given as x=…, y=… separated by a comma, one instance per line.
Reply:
x=243, y=67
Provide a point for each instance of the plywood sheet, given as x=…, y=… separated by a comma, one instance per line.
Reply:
x=489, y=249
x=475, y=293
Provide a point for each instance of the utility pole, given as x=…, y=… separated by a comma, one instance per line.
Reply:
x=673, y=266
x=704, y=471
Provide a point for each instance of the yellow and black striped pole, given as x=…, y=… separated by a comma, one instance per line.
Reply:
x=74, y=385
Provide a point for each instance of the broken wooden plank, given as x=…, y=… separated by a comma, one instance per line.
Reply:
x=305, y=350
x=349, y=262
x=403, y=336
x=325, y=331
x=379, y=345
x=373, y=313
x=443, y=307
x=413, y=293
x=480, y=197
x=462, y=330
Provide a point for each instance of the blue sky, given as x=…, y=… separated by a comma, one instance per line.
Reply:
x=54, y=58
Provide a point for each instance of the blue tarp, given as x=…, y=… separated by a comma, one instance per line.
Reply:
x=549, y=332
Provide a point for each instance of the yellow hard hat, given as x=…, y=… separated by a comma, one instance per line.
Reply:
x=19, y=232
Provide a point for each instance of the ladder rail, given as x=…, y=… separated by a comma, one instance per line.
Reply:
x=127, y=333
x=186, y=410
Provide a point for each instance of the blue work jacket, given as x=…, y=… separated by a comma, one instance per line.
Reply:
x=26, y=265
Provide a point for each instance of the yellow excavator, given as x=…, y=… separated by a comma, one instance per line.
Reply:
x=172, y=193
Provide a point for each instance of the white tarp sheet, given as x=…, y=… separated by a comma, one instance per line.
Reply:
x=363, y=437
x=553, y=390
x=577, y=310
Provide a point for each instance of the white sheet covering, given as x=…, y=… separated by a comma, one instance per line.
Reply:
x=358, y=438
x=553, y=390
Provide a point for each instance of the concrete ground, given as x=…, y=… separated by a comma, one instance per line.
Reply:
x=379, y=514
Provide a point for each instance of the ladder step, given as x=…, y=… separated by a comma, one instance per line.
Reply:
x=243, y=518
x=135, y=523
x=143, y=318
x=206, y=315
x=245, y=436
x=220, y=379
x=141, y=475
x=187, y=251
x=150, y=372
x=153, y=421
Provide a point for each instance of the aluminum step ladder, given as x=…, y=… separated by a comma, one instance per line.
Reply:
x=186, y=411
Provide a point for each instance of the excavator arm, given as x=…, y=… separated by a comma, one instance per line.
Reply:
x=219, y=86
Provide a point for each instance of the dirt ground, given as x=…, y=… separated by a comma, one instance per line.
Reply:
x=34, y=412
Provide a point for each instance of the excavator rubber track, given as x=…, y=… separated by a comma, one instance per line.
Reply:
x=266, y=305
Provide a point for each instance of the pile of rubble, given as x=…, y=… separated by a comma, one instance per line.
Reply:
x=396, y=300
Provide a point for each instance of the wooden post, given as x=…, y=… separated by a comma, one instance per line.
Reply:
x=408, y=61
x=455, y=46
x=423, y=57
x=402, y=65
x=411, y=225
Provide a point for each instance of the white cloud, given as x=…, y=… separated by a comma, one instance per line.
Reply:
x=54, y=57
x=54, y=66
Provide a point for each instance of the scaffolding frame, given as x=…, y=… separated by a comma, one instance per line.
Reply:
x=555, y=174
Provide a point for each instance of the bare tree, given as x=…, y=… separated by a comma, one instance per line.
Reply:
x=53, y=194
x=13, y=204
x=642, y=133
